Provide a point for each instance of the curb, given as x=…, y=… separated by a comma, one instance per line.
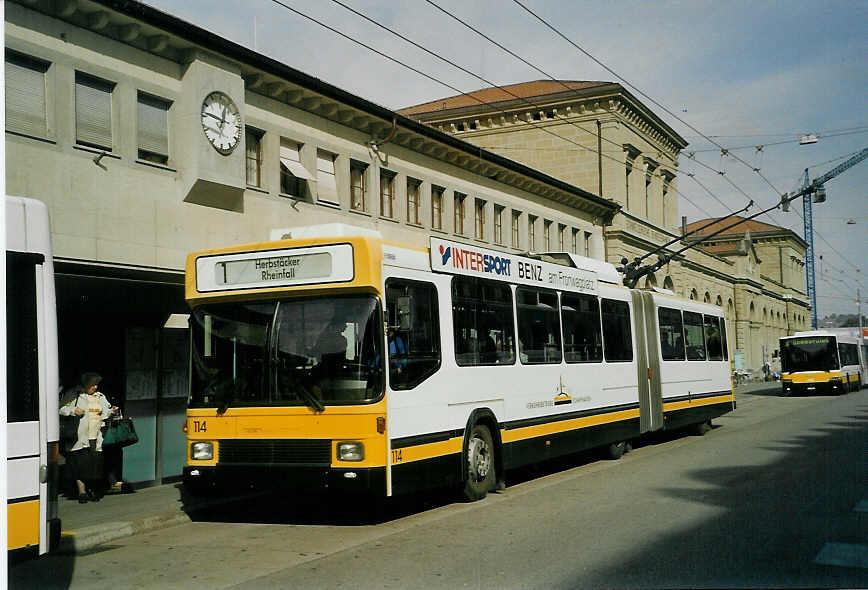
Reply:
x=89, y=537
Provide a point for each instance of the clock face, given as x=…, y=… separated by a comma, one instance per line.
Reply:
x=221, y=122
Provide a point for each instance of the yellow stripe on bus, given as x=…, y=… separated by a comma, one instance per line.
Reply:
x=518, y=434
x=427, y=450
x=23, y=522
x=690, y=403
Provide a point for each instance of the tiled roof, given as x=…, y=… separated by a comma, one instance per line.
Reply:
x=533, y=89
x=752, y=226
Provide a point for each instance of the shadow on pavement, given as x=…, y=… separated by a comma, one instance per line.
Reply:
x=774, y=519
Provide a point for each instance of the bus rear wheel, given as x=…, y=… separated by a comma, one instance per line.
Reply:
x=479, y=464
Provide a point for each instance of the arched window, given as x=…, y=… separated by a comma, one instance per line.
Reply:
x=706, y=298
x=693, y=294
x=668, y=283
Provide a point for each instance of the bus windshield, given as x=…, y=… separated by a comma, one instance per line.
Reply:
x=313, y=351
x=817, y=353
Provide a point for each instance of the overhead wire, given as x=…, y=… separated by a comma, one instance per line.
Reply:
x=447, y=85
x=668, y=111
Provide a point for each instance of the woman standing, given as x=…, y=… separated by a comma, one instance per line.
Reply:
x=85, y=458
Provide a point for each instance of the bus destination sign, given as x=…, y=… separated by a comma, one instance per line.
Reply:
x=455, y=258
x=275, y=268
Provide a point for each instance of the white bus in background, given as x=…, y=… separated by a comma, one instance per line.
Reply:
x=831, y=360
x=32, y=380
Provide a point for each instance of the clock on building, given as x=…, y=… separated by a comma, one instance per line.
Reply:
x=221, y=122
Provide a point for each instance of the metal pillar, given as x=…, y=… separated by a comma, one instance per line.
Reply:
x=809, y=255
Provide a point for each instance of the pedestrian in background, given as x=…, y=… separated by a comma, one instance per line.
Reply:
x=85, y=458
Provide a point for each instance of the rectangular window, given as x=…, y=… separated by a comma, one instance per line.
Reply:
x=583, y=338
x=647, y=195
x=628, y=169
x=694, y=339
x=326, y=183
x=26, y=95
x=575, y=239
x=293, y=176
x=387, y=193
x=562, y=230
x=617, y=335
x=414, y=201
x=665, y=194
x=498, y=224
x=547, y=235
x=587, y=245
x=22, y=333
x=531, y=232
x=516, y=240
x=93, y=111
x=253, y=155
x=153, y=115
x=539, y=326
x=483, y=322
x=712, y=338
x=671, y=334
x=479, y=219
x=724, y=343
x=413, y=332
x=358, y=185
x=437, y=207
x=459, y=213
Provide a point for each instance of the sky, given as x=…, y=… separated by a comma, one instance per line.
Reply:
x=742, y=74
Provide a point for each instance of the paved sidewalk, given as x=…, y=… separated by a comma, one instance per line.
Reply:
x=86, y=526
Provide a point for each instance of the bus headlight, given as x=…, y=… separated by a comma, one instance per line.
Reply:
x=835, y=382
x=351, y=451
x=202, y=451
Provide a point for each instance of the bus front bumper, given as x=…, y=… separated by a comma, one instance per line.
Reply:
x=298, y=478
x=832, y=386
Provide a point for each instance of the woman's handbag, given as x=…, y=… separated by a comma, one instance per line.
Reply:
x=121, y=432
x=69, y=429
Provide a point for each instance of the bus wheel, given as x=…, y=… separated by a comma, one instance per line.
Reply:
x=480, y=464
x=616, y=450
x=700, y=428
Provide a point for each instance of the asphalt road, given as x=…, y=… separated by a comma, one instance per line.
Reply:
x=776, y=495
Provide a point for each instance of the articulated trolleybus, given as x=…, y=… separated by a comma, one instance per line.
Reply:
x=32, y=380
x=823, y=361
x=338, y=360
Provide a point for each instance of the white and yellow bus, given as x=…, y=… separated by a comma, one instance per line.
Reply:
x=822, y=361
x=32, y=380
x=337, y=360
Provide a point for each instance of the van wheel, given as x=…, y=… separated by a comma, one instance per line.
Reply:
x=616, y=450
x=479, y=463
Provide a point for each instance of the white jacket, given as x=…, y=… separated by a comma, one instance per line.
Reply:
x=81, y=402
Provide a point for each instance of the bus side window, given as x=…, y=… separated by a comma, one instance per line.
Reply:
x=693, y=336
x=617, y=336
x=22, y=358
x=723, y=339
x=712, y=338
x=482, y=317
x=671, y=334
x=413, y=332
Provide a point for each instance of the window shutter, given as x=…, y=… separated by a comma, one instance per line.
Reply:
x=93, y=111
x=25, y=96
x=327, y=189
x=291, y=161
x=153, y=125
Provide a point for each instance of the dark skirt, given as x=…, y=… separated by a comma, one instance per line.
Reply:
x=85, y=464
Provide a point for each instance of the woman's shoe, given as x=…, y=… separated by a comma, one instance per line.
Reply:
x=82, y=498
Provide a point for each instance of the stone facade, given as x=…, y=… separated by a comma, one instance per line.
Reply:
x=612, y=144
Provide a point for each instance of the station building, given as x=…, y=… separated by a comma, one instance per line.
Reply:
x=148, y=138
x=598, y=136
